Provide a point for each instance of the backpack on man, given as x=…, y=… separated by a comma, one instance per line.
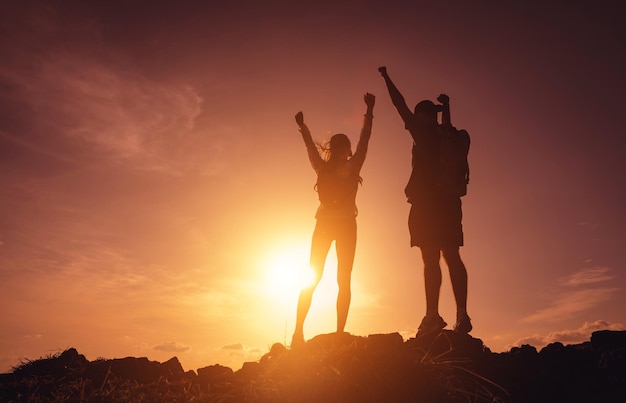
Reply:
x=453, y=151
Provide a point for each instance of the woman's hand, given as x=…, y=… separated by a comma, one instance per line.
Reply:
x=370, y=100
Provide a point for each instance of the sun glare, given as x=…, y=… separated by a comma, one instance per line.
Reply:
x=287, y=272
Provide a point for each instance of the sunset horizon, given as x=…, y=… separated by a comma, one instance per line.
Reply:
x=157, y=199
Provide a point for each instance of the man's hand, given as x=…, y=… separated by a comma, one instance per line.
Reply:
x=383, y=70
x=444, y=99
x=370, y=100
x=300, y=119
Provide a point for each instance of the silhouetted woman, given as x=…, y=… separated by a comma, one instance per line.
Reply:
x=338, y=178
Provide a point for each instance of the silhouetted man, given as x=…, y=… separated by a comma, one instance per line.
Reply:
x=435, y=215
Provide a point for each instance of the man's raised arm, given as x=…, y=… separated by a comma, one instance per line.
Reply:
x=396, y=96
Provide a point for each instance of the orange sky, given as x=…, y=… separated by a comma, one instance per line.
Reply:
x=154, y=181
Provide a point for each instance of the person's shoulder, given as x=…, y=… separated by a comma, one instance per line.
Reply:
x=412, y=123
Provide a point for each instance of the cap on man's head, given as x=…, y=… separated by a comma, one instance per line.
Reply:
x=427, y=106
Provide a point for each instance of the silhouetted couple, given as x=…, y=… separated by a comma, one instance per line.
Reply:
x=434, y=218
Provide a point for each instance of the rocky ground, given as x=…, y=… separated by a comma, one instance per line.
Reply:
x=445, y=367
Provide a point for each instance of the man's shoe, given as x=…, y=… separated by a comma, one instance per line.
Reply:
x=463, y=324
x=430, y=324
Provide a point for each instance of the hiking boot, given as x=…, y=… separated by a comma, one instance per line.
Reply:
x=431, y=324
x=463, y=324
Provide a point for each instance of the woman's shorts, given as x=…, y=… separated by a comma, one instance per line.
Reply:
x=336, y=228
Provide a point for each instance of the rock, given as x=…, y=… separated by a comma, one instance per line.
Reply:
x=69, y=361
x=611, y=345
x=333, y=341
x=446, y=344
x=341, y=367
x=214, y=374
x=172, y=369
x=276, y=351
x=249, y=370
x=140, y=370
x=608, y=340
x=384, y=341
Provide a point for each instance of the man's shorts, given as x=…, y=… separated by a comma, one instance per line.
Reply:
x=435, y=220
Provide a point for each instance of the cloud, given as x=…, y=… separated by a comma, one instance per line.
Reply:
x=76, y=97
x=588, y=276
x=240, y=351
x=120, y=114
x=576, y=293
x=80, y=94
x=571, y=303
x=235, y=354
x=234, y=346
x=172, y=347
x=568, y=336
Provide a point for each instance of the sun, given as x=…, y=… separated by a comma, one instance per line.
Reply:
x=287, y=271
